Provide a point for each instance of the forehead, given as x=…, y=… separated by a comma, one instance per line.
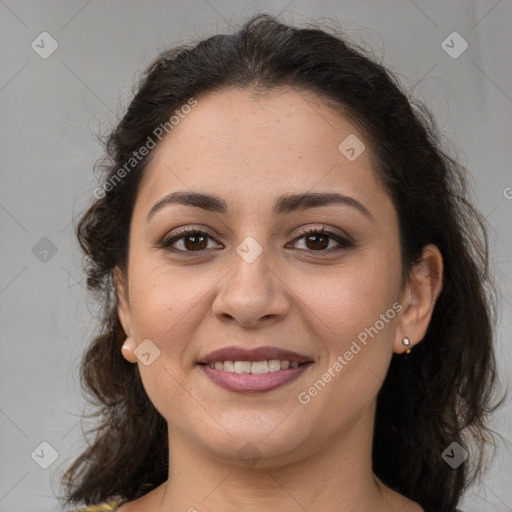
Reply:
x=249, y=147
x=236, y=120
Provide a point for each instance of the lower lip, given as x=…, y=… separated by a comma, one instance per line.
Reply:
x=253, y=382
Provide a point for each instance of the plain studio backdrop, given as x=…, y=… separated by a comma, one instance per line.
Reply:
x=67, y=71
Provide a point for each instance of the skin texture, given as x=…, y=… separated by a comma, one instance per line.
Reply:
x=249, y=149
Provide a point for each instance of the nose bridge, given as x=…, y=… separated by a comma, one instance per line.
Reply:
x=250, y=266
x=250, y=290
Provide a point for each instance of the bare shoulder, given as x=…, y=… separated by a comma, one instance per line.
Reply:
x=145, y=503
x=410, y=506
x=138, y=505
x=131, y=506
x=142, y=504
x=407, y=505
x=402, y=503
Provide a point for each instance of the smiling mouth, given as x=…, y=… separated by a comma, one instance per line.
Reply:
x=249, y=377
x=254, y=367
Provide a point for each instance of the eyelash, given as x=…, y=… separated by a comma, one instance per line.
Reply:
x=344, y=243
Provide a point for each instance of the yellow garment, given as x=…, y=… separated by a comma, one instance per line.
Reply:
x=101, y=507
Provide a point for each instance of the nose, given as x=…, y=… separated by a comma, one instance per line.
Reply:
x=252, y=294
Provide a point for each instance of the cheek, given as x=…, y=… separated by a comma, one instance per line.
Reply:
x=354, y=315
x=165, y=310
x=352, y=299
x=164, y=300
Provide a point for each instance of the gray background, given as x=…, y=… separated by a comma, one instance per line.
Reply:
x=52, y=110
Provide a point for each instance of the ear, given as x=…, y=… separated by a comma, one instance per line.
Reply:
x=419, y=298
x=123, y=303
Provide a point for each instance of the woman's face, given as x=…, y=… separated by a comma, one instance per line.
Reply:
x=253, y=278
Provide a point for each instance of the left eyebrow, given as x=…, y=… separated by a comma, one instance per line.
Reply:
x=284, y=204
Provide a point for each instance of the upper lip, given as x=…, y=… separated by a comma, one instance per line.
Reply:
x=233, y=353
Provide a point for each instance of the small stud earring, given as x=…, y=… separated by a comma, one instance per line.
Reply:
x=406, y=342
x=127, y=349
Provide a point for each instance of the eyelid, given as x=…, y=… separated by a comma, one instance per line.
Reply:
x=325, y=229
x=343, y=240
x=180, y=233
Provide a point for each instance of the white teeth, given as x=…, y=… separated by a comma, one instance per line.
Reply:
x=272, y=365
x=242, y=367
x=229, y=366
x=259, y=367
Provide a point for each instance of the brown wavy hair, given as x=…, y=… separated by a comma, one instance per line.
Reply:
x=442, y=392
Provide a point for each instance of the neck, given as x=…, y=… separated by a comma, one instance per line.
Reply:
x=338, y=471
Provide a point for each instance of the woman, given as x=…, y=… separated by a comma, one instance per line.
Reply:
x=297, y=307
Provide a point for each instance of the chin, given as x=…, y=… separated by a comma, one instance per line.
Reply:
x=254, y=441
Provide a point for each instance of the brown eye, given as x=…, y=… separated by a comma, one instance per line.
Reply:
x=315, y=240
x=191, y=240
x=318, y=240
